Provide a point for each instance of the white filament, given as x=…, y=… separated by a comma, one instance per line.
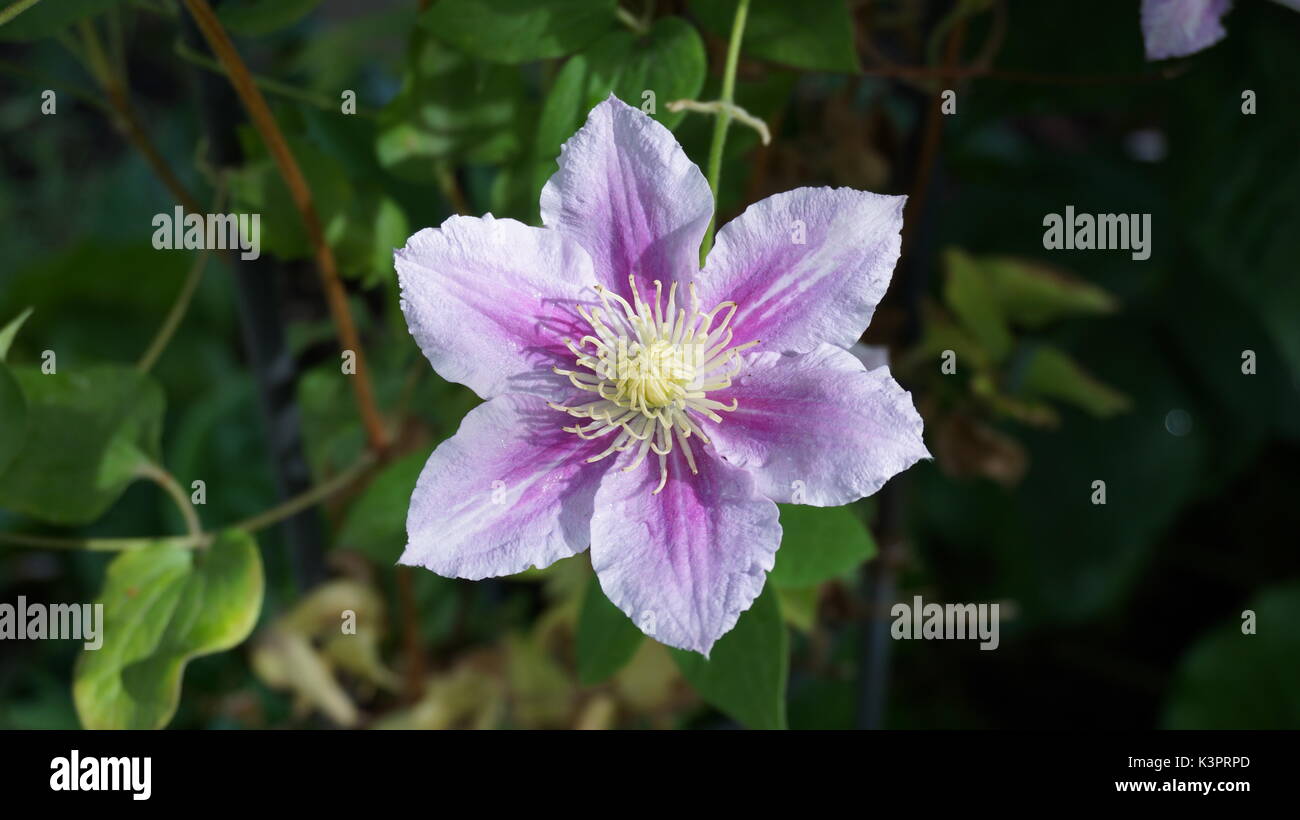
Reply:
x=652, y=370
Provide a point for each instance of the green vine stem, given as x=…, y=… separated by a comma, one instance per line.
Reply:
x=183, y=299
x=200, y=539
x=16, y=9
x=174, y=316
x=724, y=119
x=159, y=475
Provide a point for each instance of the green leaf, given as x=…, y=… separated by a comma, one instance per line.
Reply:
x=1232, y=680
x=50, y=16
x=799, y=606
x=13, y=406
x=389, y=230
x=164, y=605
x=364, y=235
x=376, y=523
x=817, y=544
x=745, y=674
x=1051, y=373
x=257, y=17
x=9, y=331
x=258, y=188
x=813, y=34
x=669, y=60
x=360, y=222
x=450, y=108
x=88, y=433
x=1032, y=295
x=516, y=31
x=563, y=111
x=13, y=410
x=941, y=334
x=968, y=291
x=606, y=640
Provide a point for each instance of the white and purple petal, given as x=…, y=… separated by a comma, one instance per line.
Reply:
x=490, y=301
x=509, y=491
x=1176, y=28
x=806, y=266
x=871, y=356
x=818, y=428
x=685, y=563
x=630, y=196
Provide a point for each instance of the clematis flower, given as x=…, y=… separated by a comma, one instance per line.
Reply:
x=1176, y=28
x=639, y=405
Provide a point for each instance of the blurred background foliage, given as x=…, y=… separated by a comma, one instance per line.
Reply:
x=1070, y=366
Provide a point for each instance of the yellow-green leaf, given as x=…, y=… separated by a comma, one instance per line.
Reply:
x=1052, y=374
x=969, y=293
x=162, y=606
x=1032, y=295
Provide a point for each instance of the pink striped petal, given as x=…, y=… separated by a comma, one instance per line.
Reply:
x=629, y=195
x=490, y=301
x=818, y=428
x=806, y=266
x=509, y=491
x=685, y=563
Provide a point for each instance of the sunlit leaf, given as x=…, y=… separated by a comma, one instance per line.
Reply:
x=10, y=330
x=817, y=544
x=163, y=606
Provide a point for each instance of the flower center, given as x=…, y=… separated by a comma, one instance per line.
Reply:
x=655, y=375
x=651, y=367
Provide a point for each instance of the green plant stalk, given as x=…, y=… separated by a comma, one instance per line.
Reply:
x=51, y=542
x=198, y=540
x=724, y=119
x=174, y=316
x=269, y=84
x=310, y=498
x=167, y=482
x=100, y=65
x=183, y=299
x=16, y=9
x=630, y=20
